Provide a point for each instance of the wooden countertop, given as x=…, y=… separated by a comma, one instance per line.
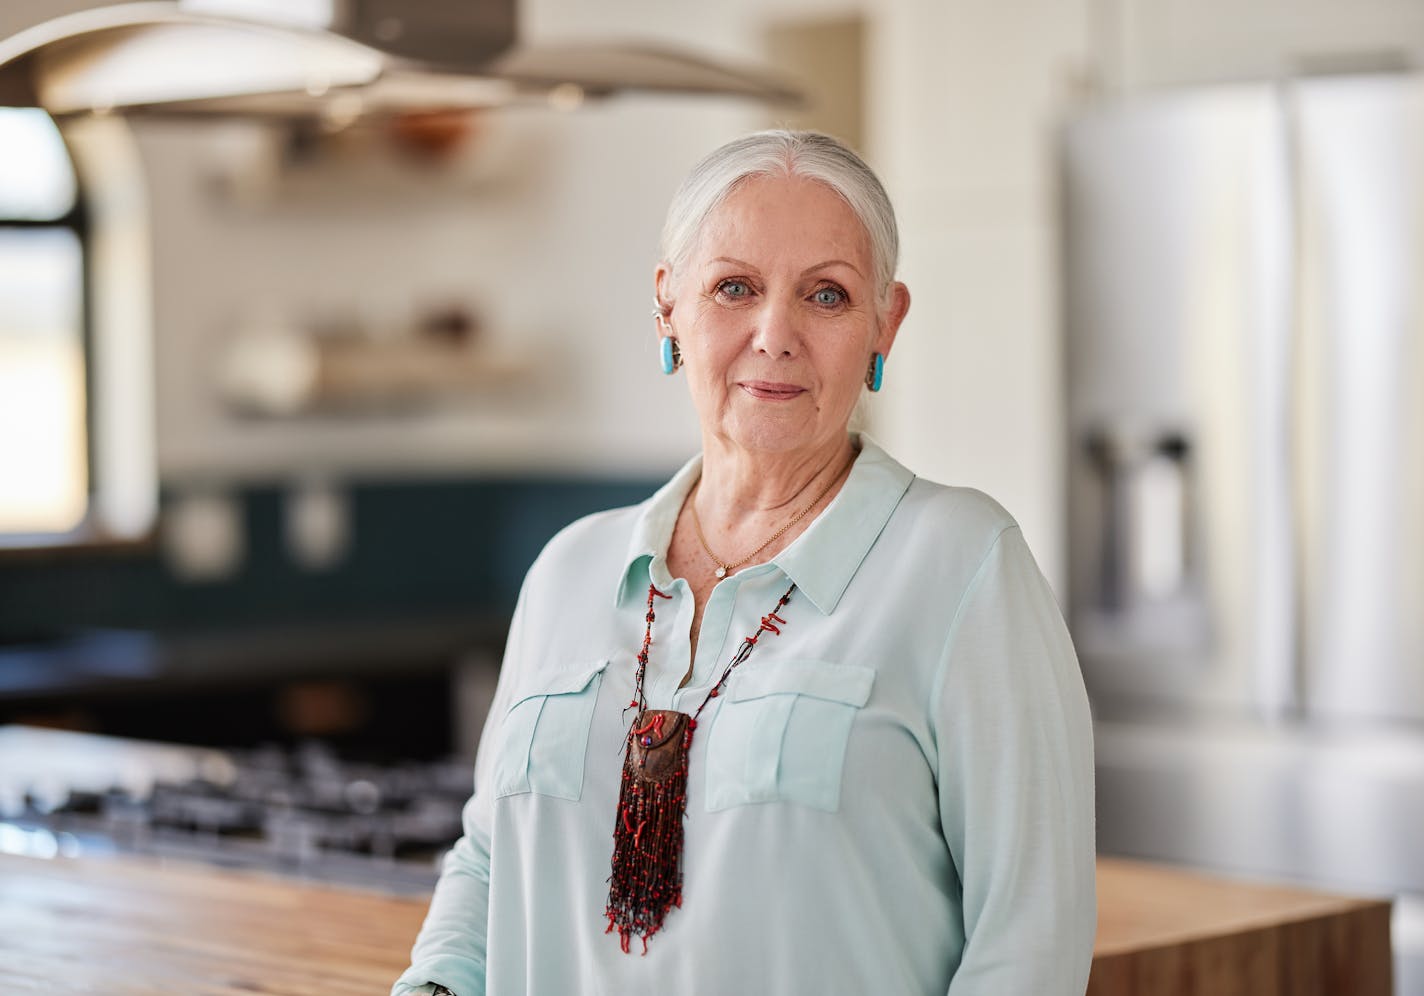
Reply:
x=1167, y=932
x=129, y=926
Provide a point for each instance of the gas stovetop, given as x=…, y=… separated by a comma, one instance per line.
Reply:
x=301, y=811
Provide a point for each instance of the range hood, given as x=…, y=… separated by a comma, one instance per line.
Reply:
x=323, y=58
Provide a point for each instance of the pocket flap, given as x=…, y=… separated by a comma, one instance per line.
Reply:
x=847, y=683
x=567, y=682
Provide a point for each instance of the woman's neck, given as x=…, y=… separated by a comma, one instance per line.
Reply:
x=741, y=488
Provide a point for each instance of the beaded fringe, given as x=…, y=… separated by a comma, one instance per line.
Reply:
x=646, y=881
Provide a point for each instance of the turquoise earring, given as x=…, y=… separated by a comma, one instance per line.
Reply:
x=875, y=373
x=671, y=354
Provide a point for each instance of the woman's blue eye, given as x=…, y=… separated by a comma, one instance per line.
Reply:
x=734, y=288
x=829, y=297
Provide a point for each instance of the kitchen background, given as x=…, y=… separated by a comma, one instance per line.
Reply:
x=344, y=382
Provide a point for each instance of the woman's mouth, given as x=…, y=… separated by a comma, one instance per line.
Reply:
x=768, y=390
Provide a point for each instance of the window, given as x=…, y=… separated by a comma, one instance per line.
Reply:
x=44, y=439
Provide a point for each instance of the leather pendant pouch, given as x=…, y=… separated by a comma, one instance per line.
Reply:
x=659, y=751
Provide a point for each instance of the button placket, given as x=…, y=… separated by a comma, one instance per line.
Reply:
x=671, y=647
x=711, y=643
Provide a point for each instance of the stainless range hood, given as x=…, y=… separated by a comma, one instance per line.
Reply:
x=316, y=58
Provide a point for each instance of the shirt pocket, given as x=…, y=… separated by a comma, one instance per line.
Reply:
x=545, y=735
x=780, y=734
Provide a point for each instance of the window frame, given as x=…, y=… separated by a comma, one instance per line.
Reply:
x=88, y=534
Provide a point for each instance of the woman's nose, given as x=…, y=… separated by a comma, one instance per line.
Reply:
x=776, y=332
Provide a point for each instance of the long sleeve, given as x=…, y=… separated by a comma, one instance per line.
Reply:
x=1015, y=782
x=451, y=946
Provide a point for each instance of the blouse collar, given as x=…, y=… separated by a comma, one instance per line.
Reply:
x=821, y=561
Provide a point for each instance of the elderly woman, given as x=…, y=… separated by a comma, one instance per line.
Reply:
x=801, y=722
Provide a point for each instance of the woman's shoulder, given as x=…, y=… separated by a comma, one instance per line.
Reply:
x=935, y=532
x=589, y=541
x=579, y=565
x=937, y=514
x=963, y=516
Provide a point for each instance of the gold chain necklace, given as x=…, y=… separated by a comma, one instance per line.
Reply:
x=724, y=569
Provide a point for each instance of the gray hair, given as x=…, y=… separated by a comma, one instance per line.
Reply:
x=784, y=153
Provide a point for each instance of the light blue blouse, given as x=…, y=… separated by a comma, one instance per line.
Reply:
x=895, y=795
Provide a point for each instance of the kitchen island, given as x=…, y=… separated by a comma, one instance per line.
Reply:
x=122, y=926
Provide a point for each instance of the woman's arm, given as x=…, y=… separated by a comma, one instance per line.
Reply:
x=451, y=947
x=1015, y=759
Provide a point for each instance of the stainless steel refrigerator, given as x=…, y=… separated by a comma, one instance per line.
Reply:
x=1244, y=320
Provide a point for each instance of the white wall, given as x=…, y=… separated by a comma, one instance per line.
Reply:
x=962, y=124
x=555, y=251
x=1151, y=43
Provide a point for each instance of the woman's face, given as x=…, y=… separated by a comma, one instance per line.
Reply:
x=776, y=313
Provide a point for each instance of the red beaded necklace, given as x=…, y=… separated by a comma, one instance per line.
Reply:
x=646, y=881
